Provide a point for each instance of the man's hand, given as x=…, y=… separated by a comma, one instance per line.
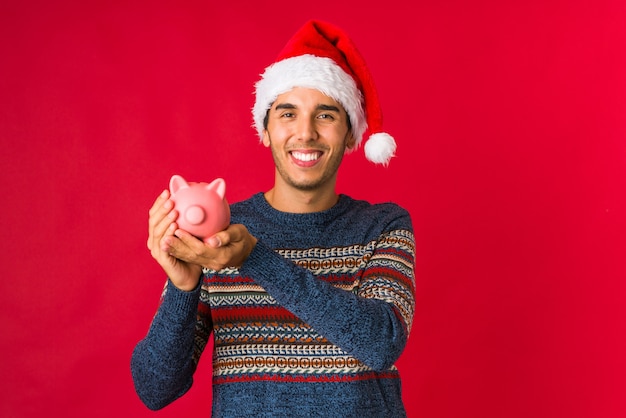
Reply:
x=228, y=248
x=161, y=228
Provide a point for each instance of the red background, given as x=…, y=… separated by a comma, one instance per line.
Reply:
x=510, y=120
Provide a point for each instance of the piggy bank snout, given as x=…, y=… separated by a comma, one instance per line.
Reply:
x=195, y=215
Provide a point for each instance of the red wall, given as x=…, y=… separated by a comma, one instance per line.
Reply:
x=511, y=125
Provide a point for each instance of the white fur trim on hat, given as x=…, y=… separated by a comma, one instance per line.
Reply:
x=309, y=71
x=380, y=148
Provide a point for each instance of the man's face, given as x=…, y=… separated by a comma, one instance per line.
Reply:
x=308, y=133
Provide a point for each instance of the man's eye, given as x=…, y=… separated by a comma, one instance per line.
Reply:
x=287, y=115
x=326, y=116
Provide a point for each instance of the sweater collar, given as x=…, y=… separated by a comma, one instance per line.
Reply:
x=343, y=203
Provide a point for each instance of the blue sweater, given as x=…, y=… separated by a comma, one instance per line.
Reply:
x=310, y=325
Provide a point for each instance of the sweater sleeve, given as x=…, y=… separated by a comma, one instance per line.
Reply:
x=162, y=363
x=371, y=324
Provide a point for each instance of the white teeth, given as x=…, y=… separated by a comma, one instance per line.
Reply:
x=302, y=156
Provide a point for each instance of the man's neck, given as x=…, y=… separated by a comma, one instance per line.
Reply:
x=301, y=201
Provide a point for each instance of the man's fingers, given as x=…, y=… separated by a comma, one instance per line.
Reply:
x=232, y=234
x=219, y=239
x=185, y=246
x=187, y=239
x=161, y=218
x=159, y=202
x=161, y=224
x=226, y=248
x=161, y=211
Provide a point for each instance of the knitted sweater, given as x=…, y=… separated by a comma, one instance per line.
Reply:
x=310, y=325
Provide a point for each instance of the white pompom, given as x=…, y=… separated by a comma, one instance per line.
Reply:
x=380, y=148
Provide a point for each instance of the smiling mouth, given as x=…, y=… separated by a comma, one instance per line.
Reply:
x=306, y=156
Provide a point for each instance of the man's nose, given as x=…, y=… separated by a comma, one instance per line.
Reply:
x=306, y=129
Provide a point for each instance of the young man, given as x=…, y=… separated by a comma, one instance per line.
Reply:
x=309, y=294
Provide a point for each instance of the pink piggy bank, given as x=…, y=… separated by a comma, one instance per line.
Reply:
x=202, y=207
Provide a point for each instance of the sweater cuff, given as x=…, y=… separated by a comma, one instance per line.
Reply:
x=274, y=273
x=259, y=262
x=180, y=304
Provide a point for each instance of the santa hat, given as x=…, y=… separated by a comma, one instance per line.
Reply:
x=322, y=57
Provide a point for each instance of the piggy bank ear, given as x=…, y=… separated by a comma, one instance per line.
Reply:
x=177, y=183
x=218, y=186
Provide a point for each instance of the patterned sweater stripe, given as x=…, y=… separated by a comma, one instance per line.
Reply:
x=225, y=315
x=311, y=378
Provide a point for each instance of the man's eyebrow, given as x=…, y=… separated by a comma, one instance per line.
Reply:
x=285, y=106
x=326, y=107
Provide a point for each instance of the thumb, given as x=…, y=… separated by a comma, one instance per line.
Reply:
x=214, y=241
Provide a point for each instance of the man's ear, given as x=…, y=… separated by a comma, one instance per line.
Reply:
x=350, y=140
x=266, y=138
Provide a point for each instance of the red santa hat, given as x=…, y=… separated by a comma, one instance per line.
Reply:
x=322, y=57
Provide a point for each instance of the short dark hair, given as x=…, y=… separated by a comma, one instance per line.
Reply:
x=266, y=117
